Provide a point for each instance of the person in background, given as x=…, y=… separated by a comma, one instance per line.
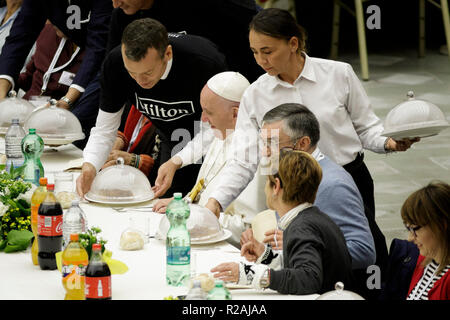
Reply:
x=224, y=22
x=86, y=23
x=39, y=80
x=426, y=215
x=314, y=255
x=9, y=9
x=219, y=100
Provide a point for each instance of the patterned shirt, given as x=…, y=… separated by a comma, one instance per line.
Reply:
x=429, y=278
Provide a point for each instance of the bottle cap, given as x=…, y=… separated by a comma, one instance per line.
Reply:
x=96, y=246
x=51, y=187
x=32, y=130
x=15, y=121
x=177, y=195
x=43, y=181
x=75, y=202
x=74, y=237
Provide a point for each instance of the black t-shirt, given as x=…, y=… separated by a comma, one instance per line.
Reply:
x=224, y=22
x=173, y=103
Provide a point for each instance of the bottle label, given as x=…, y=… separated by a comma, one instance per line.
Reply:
x=50, y=226
x=98, y=287
x=73, y=273
x=13, y=147
x=178, y=255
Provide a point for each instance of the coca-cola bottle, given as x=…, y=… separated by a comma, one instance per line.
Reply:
x=98, y=276
x=50, y=233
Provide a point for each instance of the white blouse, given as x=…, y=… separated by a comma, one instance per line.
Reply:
x=332, y=91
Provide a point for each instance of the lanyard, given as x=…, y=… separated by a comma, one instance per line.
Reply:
x=52, y=69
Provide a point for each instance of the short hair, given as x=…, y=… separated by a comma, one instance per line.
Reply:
x=142, y=34
x=280, y=24
x=298, y=121
x=300, y=175
x=430, y=206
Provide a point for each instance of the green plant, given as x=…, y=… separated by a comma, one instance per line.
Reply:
x=90, y=237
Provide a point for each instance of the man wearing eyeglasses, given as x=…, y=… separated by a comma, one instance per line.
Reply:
x=291, y=127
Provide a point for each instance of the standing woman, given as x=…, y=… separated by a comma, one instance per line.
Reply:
x=426, y=214
x=330, y=89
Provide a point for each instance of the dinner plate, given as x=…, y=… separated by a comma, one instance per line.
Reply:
x=86, y=196
x=415, y=132
x=226, y=234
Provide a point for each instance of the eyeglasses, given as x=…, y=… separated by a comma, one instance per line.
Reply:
x=413, y=229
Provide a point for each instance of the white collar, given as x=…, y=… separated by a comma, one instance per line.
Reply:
x=317, y=154
x=168, y=67
x=291, y=214
x=307, y=73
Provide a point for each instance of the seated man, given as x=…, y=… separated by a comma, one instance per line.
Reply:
x=293, y=126
x=314, y=255
x=219, y=100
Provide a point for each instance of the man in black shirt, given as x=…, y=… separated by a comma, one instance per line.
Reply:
x=163, y=76
x=224, y=22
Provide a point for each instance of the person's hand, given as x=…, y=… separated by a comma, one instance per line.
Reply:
x=84, y=181
x=165, y=176
x=400, y=145
x=114, y=155
x=270, y=237
x=214, y=206
x=119, y=144
x=161, y=205
x=228, y=271
x=62, y=104
x=252, y=250
x=246, y=236
x=5, y=86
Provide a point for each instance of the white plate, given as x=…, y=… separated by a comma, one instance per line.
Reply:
x=415, y=132
x=86, y=196
x=233, y=286
x=226, y=234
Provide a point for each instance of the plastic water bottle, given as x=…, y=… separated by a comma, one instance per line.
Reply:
x=196, y=292
x=13, y=145
x=219, y=292
x=74, y=221
x=32, y=147
x=178, y=242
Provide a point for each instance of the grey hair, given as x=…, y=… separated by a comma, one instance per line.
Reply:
x=298, y=121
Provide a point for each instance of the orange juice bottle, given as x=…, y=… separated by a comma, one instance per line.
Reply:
x=36, y=199
x=74, y=263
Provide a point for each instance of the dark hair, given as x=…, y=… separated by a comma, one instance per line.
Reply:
x=280, y=24
x=142, y=34
x=298, y=121
x=430, y=206
x=2, y=3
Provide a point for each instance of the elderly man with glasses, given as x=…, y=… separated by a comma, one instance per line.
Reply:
x=294, y=127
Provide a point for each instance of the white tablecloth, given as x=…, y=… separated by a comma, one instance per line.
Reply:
x=145, y=279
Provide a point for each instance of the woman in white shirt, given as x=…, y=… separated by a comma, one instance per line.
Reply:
x=330, y=89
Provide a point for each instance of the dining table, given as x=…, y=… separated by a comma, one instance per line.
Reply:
x=145, y=278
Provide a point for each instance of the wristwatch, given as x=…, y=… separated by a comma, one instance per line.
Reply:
x=265, y=279
x=67, y=100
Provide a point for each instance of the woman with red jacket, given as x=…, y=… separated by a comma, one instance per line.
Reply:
x=426, y=214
